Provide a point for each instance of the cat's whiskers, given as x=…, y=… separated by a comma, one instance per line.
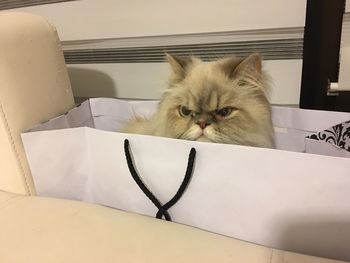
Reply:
x=193, y=133
x=213, y=135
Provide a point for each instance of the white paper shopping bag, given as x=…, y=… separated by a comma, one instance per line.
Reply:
x=334, y=141
x=279, y=198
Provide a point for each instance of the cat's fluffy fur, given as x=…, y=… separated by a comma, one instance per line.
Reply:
x=191, y=107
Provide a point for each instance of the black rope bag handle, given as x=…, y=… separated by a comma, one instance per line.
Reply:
x=162, y=209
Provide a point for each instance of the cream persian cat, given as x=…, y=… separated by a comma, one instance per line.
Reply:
x=223, y=101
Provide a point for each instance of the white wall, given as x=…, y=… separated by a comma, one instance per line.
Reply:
x=91, y=19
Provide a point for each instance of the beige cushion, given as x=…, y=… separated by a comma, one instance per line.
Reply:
x=34, y=87
x=36, y=229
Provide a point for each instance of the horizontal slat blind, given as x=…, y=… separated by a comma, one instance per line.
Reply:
x=269, y=49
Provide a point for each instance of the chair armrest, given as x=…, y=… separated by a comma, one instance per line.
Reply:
x=37, y=229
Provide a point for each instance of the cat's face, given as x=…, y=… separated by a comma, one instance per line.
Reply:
x=222, y=101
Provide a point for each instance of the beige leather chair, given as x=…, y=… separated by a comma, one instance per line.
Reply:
x=34, y=87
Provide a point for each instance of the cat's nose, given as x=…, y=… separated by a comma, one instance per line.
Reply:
x=202, y=123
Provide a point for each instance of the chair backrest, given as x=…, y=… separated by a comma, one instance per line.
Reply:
x=34, y=87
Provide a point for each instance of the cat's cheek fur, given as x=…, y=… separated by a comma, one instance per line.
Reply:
x=176, y=125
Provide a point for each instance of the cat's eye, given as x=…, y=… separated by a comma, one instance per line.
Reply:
x=224, y=112
x=184, y=111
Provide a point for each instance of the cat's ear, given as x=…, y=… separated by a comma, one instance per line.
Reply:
x=249, y=66
x=179, y=64
x=229, y=64
x=238, y=67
